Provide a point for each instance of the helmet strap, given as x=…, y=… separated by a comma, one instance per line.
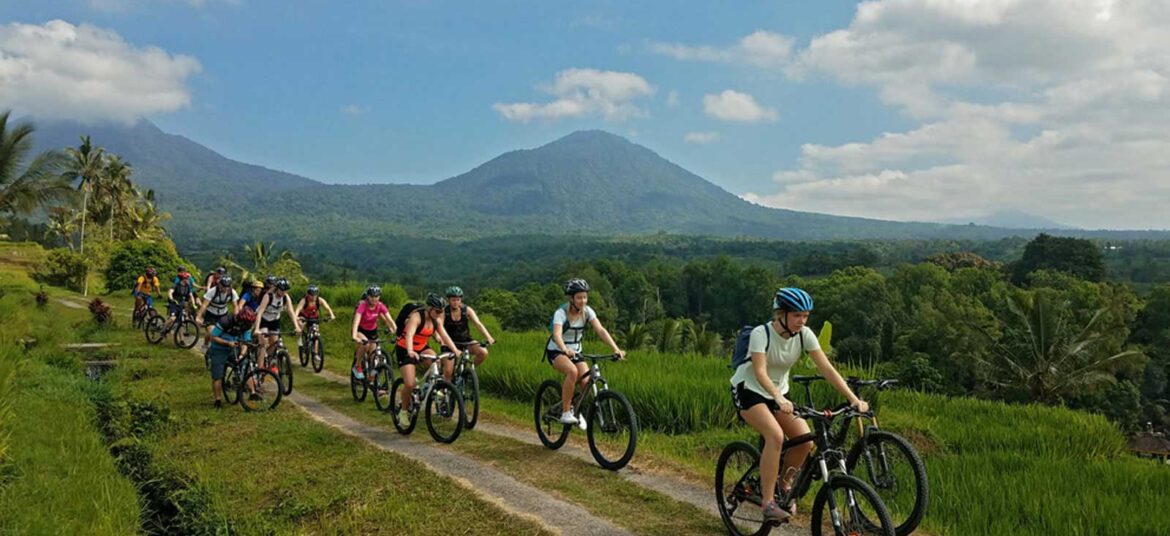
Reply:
x=783, y=320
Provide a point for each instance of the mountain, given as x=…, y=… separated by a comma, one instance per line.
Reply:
x=1012, y=219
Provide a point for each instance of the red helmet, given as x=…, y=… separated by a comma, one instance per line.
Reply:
x=150, y=271
x=246, y=315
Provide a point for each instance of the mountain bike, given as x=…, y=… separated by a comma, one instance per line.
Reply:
x=312, y=347
x=466, y=380
x=444, y=404
x=378, y=374
x=142, y=313
x=611, y=425
x=255, y=388
x=844, y=506
x=186, y=331
x=278, y=357
x=884, y=460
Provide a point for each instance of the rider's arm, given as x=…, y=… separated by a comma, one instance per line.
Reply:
x=408, y=332
x=385, y=316
x=829, y=372
x=292, y=314
x=260, y=312
x=300, y=305
x=479, y=325
x=325, y=304
x=605, y=336
x=202, y=309
x=357, y=318
x=215, y=336
x=760, y=368
x=443, y=338
x=171, y=294
x=559, y=338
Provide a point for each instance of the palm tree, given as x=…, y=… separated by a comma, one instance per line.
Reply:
x=62, y=223
x=115, y=191
x=1047, y=358
x=86, y=165
x=263, y=261
x=37, y=184
x=636, y=336
x=143, y=220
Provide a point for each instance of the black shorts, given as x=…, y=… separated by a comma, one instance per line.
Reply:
x=371, y=334
x=745, y=398
x=210, y=319
x=174, y=308
x=551, y=355
x=270, y=325
x=403, y=357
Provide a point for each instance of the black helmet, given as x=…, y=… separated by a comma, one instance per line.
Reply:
x=576, y=285
x=435, y=301
x=283, y=284
x=181, y=269
x=373, y=290
x=225, y=280
x=313, y=290
x=270, y=280
x=221, y=270
x=454, y=292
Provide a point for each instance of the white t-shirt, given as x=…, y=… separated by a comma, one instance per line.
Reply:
x=573, y=332
x=219, y=307
x=782, y=354
x=275, y=306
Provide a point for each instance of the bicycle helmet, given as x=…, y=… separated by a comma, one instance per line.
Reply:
x=373, y=290
x=793, y=300
x=283, y=284
x=576, y=285
x=257, y=284
x=246, y=315
x=181, y=269
x=313, y=290
x=150, y=271
x=225, y=280
x=435, y=301
x=454, y=292
x=270, y=280
x=221, y=270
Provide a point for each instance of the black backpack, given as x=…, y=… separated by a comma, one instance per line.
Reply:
x=182, y=288
x=407, y=310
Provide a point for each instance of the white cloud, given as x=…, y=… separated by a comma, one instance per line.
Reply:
x=582, y=93
x=672, y=98
x=354, y=109
x=731, y=105
x=1052, y=106
x=61, y=71
x=761, y=48
x=701, y=137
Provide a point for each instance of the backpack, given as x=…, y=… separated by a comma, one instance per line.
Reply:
x=407, y=310
x=182, y=288
x=565, y=308
x=740, y=354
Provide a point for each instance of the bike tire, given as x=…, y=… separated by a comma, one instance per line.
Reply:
x=861, y=510
x=611, y=416
x=383, y=379
x=318, y=354
x=357, y=387
x=268, y=386
x=186, y=334
x=154, y=329
x=882, y=450
x=468, y=384
x=285, y=366
x=737, y=490
x=445, y=412
x=396, y=407
x=546, y=410
x=303, y=351
x=230, y=385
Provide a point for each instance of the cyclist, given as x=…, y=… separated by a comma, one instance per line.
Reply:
x=759, y=386
x=455, y=320
x=146, y=285
x=275, y=302
x=568, y=328
x=252, y=297
x=216, y=302
x=212, y=278
x=180, y=295
x=226, y=334
x=309, y=306
x=365, y=325
x=420, y=323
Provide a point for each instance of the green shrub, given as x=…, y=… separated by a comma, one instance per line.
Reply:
x=62, y=268
x=131, y=258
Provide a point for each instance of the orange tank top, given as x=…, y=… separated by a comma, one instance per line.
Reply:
x=421, y=336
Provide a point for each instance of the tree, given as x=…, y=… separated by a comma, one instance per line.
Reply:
x=86, y=165
x=114, y=191
x=264, y=260
x=1075, y=256
x=24, y=189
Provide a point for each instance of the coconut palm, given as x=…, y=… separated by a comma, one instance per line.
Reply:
x=143, y=220
x=63, y=223
x=86, y=164
x=264, y=260
x=24, y=189
x=114, y=191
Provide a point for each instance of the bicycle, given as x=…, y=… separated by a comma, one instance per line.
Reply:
x=445, y=412
x=857, y=510
x=610, y=415
x=186, y=332
x=378, y=375
x=278, y=356
x=466, y=380
x=888, y=462
x=312, y=347
x=142, y=313
x=248, y=384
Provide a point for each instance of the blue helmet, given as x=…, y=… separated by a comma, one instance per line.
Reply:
x=793, y=300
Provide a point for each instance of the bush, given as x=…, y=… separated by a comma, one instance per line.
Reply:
x=62, y=268
x=131, y=258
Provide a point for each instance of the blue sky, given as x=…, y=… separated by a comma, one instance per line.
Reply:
x=845, y=121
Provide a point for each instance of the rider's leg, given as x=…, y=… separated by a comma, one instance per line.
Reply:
x=479, y=353
x=408, y=384
x=763, y=421
x=569, y=370
x=793, y=457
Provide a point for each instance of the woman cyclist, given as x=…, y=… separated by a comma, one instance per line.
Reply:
x=310, y=305
x=568, y=328
x=216, y=302
x=418, y=327
x=365, y=326
x=759, y=386
x=268, y=322
x=457, y=319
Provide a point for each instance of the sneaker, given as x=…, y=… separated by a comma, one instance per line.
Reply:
x=568, y=418
x=582, y=423
x=773, y=512
x=403, y=418
x=218, y=404
x=357, y=373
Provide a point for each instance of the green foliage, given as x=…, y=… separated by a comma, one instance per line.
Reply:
x=130, y=259
x=27, y=186
x=961, y=259
x=341, y=297
x=62, y=268
x=1079, y=257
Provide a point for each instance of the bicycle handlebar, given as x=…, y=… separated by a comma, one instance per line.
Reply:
x=827, y=415
x=595, y=358
x=464, y=345
x=852, y=381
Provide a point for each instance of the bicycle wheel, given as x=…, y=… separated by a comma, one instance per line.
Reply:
x=186, y=334
x=737, y=490
x=854, y=505
x=380, y=384
x=468, y=385
x=357, y=387
x=155, y=329
x=317, y=351
x=891, y=466
x=396, y=407
x=230, y=385
x=546, y=415
x=260, y=390
x=285, y=367
x=303, y=351
x=612, y=430
x=444, y=412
